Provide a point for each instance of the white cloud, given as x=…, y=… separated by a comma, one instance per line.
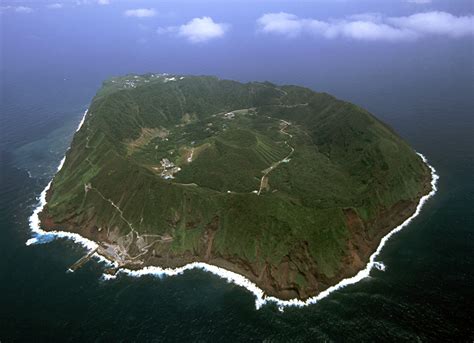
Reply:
x=23, y=9
x=88, y=2
x=197, y=30
x=369, y=26
x=438, y=23
x=140, y=13
x=419, y=2
x=360, y=27
x=370, y=31
x=282, y=23
x=17, y=9
x=55, y=6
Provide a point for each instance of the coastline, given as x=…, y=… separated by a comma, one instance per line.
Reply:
x=240, y=280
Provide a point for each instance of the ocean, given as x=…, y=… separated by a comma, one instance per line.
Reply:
x=425, y=293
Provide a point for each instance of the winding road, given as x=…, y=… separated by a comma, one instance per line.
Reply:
x=264, y=179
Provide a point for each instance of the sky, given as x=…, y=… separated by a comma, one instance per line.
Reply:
x=327, y=45
x=410, y=62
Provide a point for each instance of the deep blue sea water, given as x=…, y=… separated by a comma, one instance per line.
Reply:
x=426, y=292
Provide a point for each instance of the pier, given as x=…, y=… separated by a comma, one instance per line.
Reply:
x=80, y=262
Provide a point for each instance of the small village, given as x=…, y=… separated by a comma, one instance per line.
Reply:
x=133, y=82
x=169, y=169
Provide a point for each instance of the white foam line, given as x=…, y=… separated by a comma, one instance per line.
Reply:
x=40, y=235
x=82, y=120
x=237, y=279
x=104, y=260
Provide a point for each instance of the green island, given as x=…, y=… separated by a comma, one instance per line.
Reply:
x=291, y=188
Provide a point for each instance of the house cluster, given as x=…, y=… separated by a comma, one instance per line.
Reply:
x=165, y=77
x=169, y=169
x=129, y=84
x=133, y=82
x=229, y=115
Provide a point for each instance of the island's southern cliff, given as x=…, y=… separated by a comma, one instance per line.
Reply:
x=291, y=188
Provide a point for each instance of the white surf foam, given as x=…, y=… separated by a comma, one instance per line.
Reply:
x=82, y=120
x=104, y=260
x=41, y=236
x=231, y=277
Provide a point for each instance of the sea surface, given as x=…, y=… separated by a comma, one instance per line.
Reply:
x=426, y=292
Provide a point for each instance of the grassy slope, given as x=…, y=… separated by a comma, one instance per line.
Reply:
x=344, y=157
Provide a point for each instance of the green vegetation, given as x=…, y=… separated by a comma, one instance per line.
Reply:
x=166, y=155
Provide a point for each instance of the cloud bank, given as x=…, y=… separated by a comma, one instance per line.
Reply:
x=140, y=13
x=419, y=2
x=197, y=30
x=370, y=26
x=17, y=9
x=436, y=23
x=55, y=6
x=88, y=2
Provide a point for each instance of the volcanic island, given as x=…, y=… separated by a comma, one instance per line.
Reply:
x=290, y=188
